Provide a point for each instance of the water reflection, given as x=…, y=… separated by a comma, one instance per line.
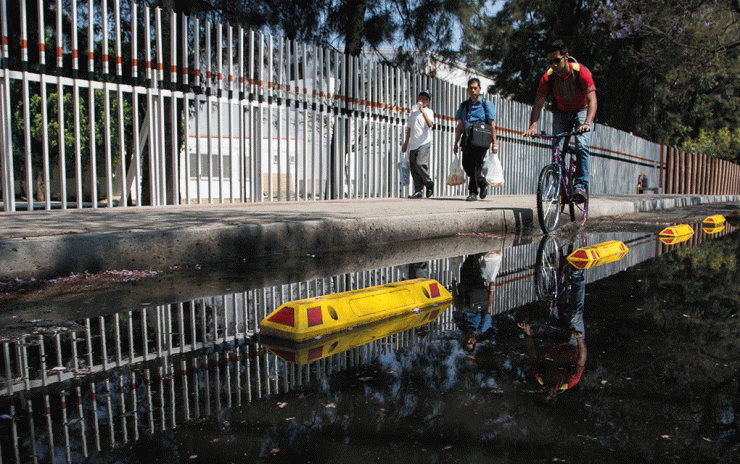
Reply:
x=473, y=296
x=141, y=374
x=563, y=289
x=420, y=322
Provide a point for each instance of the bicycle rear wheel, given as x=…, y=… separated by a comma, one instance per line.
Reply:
x=579, y=211
x=548, y=198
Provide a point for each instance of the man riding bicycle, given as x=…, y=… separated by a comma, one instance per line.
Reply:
x=573, y=87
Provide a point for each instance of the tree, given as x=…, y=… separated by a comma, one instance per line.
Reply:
x=659, y=65
x=36, y=125
x=691, y=50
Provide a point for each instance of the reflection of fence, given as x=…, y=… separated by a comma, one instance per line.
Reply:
x=302, y=122
x=115, y=377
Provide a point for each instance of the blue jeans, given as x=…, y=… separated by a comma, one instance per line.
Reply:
x=567, y=121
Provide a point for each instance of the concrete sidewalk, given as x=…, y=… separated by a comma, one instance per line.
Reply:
x=51, y=244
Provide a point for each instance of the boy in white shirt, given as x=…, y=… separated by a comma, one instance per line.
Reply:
x=418, y=142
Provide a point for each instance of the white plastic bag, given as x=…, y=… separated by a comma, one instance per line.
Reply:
x=490, y=265
x=457, y=175
x=493, y=171
x=403, y=167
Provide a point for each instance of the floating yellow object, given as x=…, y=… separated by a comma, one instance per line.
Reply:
x=713, y=221
x=307, y=319
x=679, y=230
x=596, y=255
x=712, y=229
x=313, y=350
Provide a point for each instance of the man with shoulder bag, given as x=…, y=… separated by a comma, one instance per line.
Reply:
x=474, y=133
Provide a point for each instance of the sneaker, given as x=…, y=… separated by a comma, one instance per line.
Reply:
x=579, y=195
x=483, y=192
x=472, y=197
x=430, y=190
x=416, y=195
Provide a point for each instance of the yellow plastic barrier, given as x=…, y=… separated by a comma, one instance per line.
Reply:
x=677, y=231
x=313, y=350
x=596, y=255
x=713, y=221
x=307, y=319
x=712, y=229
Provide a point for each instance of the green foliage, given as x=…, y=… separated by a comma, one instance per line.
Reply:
x=723, y=143
x=70, y=139
x=660, y=66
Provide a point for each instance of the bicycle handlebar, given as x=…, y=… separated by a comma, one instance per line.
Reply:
x=543, y=135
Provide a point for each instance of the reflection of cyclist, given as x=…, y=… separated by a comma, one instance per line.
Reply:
x=575, y=99
x=563, y=365
x=473, y=297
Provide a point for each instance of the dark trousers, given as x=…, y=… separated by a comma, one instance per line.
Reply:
x=472, y=161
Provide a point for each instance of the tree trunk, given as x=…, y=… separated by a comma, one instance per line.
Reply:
x=355, y=25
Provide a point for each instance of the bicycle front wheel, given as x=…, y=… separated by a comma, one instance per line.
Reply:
x=546, y=269
x=548, y=198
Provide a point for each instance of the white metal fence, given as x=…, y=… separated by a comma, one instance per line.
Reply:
x=168, y=110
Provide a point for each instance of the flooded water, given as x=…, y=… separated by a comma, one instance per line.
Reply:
x=642, y=352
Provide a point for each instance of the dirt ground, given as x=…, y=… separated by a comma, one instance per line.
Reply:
x=28, y=291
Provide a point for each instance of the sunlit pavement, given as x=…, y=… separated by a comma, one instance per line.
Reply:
x=50, y=244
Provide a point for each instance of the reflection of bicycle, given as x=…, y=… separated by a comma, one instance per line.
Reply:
x=552, y=271
x=555, y=186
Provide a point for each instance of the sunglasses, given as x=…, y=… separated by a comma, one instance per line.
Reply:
x=555, y=61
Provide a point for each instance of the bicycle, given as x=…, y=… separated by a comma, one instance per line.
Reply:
x=555, y=186
x=553, y=274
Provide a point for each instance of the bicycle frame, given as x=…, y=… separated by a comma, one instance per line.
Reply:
x=566, y=171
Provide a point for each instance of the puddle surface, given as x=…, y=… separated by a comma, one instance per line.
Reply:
x=180, y=374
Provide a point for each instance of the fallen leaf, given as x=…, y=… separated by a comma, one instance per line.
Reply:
x=282, y=405
x=329, y=405
x=364, y=379
x=447, y=447
x=667, y=437
x=289, y=418
x=707, y=439
x=274, y=451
